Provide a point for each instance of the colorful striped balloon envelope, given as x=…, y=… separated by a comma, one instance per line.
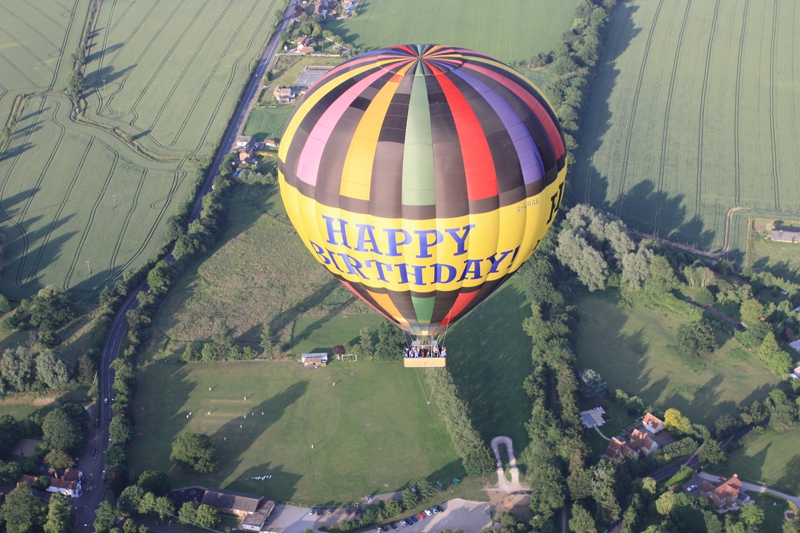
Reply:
x=422, y=177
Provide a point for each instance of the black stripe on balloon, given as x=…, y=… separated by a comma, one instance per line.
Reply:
x=386, y=183
x=329, y=177
x=443, y=304
x=448, y=163
x=405, y=306
x=504, y=154
x=531, y=121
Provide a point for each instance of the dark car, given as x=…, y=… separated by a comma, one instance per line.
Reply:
x=392, y=526
x=413, y=518
x=332, y=509
x=439, y=508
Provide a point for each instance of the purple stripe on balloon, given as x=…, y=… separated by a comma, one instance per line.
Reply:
x=310, y=158
x=529, y=159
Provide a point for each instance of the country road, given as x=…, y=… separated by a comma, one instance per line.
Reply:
x=94, y=466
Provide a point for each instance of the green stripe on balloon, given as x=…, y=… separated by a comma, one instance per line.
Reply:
x=419, y=186
x=423, y=308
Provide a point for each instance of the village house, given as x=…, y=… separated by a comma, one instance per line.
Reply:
x=725, y=494
x=283, y=94
x=652, y=423
x=271, y=143
x=640, y=445
x=255, y=521
x=68, y=483
x=245, y=142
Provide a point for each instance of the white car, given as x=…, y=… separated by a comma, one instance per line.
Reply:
x=690, y=488
x=428, y=512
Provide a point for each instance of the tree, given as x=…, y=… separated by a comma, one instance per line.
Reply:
x=105, y=517
x=409, y=499
x=365, y=342
x=22, y=511
x=636, y=267
x=661, y=278
x=62, y=432
x=9, y=472
x=59, y=515
x=726, y=425
x=209, y=352
x=78, y=56
x=390, y=342
x=581, y=521
x=207, y=516
x=222, y=338
x=783, y=417
x=116, y=454
x=154, y=481
x=188, y=512
x=130, y=498
x=666, y=503
x=704, y=297
x=163, y=506
x=591, y=384
x=266, y=342
x=5, y=305
x=120, y=430
x=712, y=453
x=129, y=526
x=10, y=433
x=190, y=354
x=50, y=309
x=86, y=370
x=674, y=420
x=752, y=515
x=751, y=311
x=59, y=459
x=194, y=453
x=116, y=478
x=696, y=339
x=769, y=347
x=425, y=489
x=780, y=364
x=16, y=368
x=392, y=508
x=575, y=252
x=51, y=370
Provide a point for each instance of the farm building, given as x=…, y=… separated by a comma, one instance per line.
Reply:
x=785, y=235
x=315, y=359
x=240, y=504
x=308, y=77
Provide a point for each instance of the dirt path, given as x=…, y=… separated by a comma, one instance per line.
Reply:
x=717, y=313
x=503, y=484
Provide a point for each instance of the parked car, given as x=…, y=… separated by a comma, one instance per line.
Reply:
x=435, y=509
x=311, y=511
x=438, y=509
x=403, y=523
x=393, y=526
x=690, y=488
x=379, y=529
x=428, y=512
x=413, y=518
x=421, y=515
x=332, y=509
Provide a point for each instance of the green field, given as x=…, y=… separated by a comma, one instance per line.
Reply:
x=773, y=458
x=781, y=259
x=631, y=350
x=510, y=30
x=78, y=204
x=267, y=122
x=372, y=432
x=691, y=114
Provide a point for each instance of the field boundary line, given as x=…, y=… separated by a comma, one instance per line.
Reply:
x=89, y=222
x=665, y=130
x=593, y=128
x=623, y=177
x=701, y=122
x=20, y=72
x=33, y=28
x=737, y=169
x=772, y=136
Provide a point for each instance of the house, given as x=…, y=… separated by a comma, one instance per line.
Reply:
x=305, y=50
x=315, y=359
x=725, y=493
x=652, y=423
x=795, y=345
x=245, y=141
x=68, y=483
x=270, y=143
x=282, y=94
x=255, y=521
x=304, y=41
x=781, y=235
x=240, y=504
x=25, y=478
x=640, y=445
x=246, y=158
x=593, y=417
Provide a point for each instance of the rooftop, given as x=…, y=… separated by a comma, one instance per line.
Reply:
x=229, y=499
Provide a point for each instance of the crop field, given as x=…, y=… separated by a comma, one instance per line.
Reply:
x=632, y=350
x=372, y=432
x=772, y=458
x=510, y=30
x=694, y=112
x=81, y=201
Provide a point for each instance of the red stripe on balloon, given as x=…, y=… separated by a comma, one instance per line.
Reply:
x=478, y=162
x=462, y=301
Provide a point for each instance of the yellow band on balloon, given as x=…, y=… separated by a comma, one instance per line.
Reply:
x=423, y=255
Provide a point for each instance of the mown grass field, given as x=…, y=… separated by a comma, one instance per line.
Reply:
x=267, y=122
x=773, y=458
x=372, y=432
x=78, y=205
x=691, y=114
x=631, y=350
x=510, y=30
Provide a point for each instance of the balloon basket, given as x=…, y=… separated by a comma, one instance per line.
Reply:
x=429, y=362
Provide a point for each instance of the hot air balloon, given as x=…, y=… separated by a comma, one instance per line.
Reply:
x=422, y=177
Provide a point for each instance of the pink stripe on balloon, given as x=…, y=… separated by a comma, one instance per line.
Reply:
x=310, y=158
x=540, y=112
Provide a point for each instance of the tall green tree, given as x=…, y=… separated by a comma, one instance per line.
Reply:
x=52, y=370
x=10, y=433
x=105, y=517
x=365, y=341
x=207, y=516
x=17, y=368
x=50, y=308
x=194, y=453
x=581, y=521
x=23, y=512
x=120, y=430
x=59, y=515
x=62, y=432
x=266, y=342
x=696, y=339
x=154, y=481
x=391, y=342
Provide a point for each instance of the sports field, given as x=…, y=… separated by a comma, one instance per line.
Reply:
x=372, y=432
x=693, y=112
x=80, y=202
x=510, y=30
x=631, y=348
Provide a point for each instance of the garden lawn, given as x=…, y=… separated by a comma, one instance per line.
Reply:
x=773, y=458
x=267, y=122
x=773, y=511
x=372, y=432
x=510, y=30
x=633, y=349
